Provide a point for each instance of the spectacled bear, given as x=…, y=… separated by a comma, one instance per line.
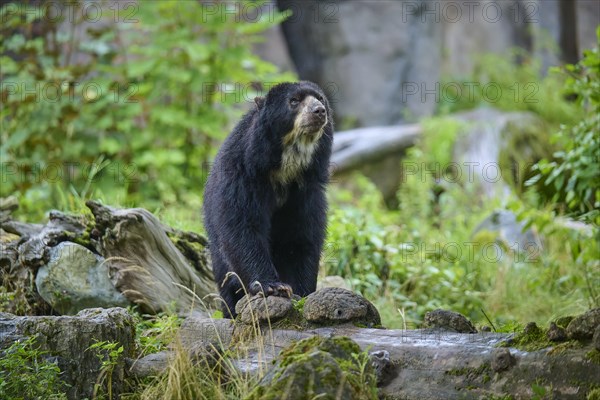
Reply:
x=264, y=201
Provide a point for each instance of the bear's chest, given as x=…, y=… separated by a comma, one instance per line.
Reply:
x=295, y=159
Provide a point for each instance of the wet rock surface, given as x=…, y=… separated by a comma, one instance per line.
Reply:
x=450, y=321
x=434, y=364
x=338, y=305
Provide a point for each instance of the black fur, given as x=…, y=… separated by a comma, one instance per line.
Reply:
x=262, y=229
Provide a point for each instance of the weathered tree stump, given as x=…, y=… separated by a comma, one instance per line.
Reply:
x=152, y=265
x=145, y=265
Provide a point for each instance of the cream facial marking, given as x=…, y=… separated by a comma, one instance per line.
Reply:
x=300, y=143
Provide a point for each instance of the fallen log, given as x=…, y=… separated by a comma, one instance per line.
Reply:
x=356, y=147
x=424, y=364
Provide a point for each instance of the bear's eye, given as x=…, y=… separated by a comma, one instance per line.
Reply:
x=294, y=101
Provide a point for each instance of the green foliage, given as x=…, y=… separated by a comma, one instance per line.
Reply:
x=577, y=246
x=27, y=373
x=109, y=355
x=424, y=255
x=129, y=107
x=299, y=304
x=573, y=174
x=419, y=257
x=154, y=333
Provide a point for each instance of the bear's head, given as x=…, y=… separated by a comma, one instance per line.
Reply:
x=296, y=112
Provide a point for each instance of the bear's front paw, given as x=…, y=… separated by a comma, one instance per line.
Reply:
x=271, y=289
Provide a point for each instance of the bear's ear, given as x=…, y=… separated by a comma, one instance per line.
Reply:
x=260, y=102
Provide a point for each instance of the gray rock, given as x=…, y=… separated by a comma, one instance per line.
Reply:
x=75, y=279
x=335, y=305
x=200, y=332
x=384, y=369
x=502, y=360
x=556, y=333
x=596, y=338
x=273, y=47
x=584, y=325
x=263, y=309
x=488, y=26
x=150, y=365
x=68, y=339
x=588, y=19
x=449, y=320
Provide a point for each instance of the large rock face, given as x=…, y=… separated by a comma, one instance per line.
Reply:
x=366, y=55
x=383, y=61
x=427, y=364
x=488, y=26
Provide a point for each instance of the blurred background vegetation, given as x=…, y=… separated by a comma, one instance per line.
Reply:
x=130, y=109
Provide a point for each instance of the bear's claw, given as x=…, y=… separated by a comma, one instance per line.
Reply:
x=271, y=289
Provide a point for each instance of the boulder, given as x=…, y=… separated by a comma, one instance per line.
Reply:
x=338, y=305
x=450, y=321
x=75, y=279
x=583, y=326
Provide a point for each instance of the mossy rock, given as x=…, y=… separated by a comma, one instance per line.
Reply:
x=582, y=327
x=317, y=367
x=337, y=305
x=449, y=320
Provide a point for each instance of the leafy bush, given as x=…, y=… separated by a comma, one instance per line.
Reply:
x=416, y=257
x=27, y=373
x=131, y=108
x=425, y=256
x=573, y=174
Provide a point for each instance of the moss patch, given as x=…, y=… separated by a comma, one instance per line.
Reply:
x=472, y=375
x=593, y=356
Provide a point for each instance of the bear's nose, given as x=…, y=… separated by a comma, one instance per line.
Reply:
x=319, y=110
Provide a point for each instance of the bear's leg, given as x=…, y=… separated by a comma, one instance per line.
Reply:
x=297, y=239
x=297, y=261
x=249, y=256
